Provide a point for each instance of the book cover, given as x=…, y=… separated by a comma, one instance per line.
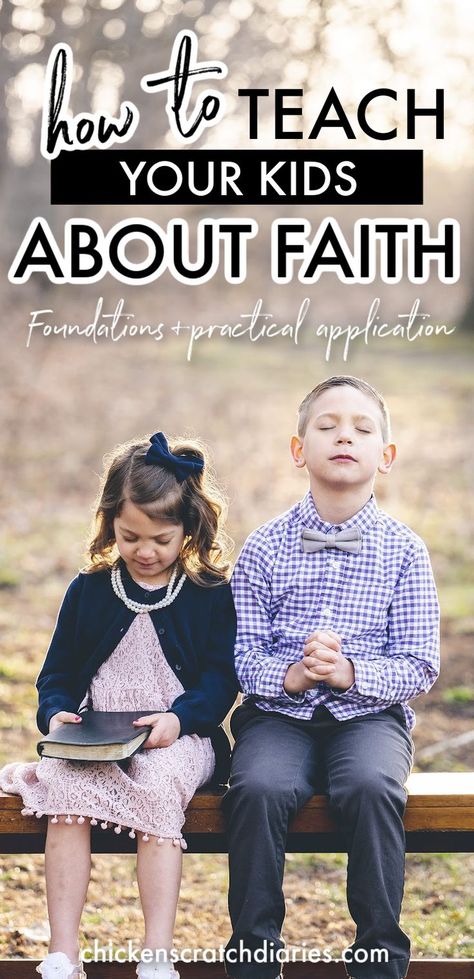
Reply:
x=207, y=208
x=100, y=736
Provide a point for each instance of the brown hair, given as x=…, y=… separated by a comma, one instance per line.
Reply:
x=341, y=380
x=196, y=503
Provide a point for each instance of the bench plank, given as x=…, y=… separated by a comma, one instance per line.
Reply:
x=439, y=817
x=437, y=801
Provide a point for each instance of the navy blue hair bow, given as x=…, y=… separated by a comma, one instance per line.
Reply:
x=159, y=455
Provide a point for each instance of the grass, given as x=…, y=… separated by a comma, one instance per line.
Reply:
x=437, y=911
x=459, y=695
x=456, y=603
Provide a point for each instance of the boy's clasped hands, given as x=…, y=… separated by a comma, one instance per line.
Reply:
x=322, y=660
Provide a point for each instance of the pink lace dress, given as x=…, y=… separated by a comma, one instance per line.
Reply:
x=151, y=793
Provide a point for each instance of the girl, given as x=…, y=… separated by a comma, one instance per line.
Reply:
x=150, y=629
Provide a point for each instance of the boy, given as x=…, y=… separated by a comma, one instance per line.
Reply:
x=338, y=627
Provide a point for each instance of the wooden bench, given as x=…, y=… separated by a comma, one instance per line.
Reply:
x=439, y=819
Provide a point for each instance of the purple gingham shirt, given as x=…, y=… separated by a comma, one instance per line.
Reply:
x=382, y=602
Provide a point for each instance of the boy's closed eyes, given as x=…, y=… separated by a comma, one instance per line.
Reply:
x=361, y=423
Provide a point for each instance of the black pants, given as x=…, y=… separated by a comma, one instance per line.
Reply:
x=277, y=765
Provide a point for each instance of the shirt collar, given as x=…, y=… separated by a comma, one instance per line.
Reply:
x=363, y=519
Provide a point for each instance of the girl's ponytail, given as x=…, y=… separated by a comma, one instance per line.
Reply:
x=206, y=546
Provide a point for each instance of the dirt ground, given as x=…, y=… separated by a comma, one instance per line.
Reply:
x=441, y=718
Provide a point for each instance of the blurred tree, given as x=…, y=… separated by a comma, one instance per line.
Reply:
x=466, y=321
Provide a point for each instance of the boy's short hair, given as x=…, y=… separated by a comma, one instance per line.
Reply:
x=344, y=380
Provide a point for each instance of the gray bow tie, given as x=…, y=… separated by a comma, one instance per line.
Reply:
x=345, y=540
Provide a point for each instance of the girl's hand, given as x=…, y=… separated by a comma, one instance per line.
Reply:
x=63, y=717
x=166, y=728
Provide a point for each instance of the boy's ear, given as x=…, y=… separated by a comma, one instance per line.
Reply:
x=296, y=448
x=388, y=458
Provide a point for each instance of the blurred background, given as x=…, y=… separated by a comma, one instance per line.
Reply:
x=64, y=403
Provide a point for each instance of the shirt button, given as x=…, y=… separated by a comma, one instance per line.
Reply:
x=177, y=667
x=161, y=631
x=326, y=611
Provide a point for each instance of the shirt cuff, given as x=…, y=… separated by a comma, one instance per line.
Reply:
x=266, y=678
x=363, y=678
x=342, y=693
x=294, y=698
x=336, y=692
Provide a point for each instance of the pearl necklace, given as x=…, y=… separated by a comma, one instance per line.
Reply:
x=117, y=585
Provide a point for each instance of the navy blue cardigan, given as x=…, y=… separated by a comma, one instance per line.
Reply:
x=196, y=632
